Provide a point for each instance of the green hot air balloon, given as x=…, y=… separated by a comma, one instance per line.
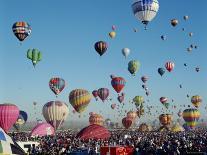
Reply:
x=133, y=66
x=35, y=55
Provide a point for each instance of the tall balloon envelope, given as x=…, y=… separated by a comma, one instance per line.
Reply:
x=79, y=99
x=35, y=55
x=8, y=115
x=191, y=117
x=133, y=66
x=21, y=30
x=103, y=93
x=55, y=113
x=57, y=84
x=101, y=47
x=126, y=52
x=169, y=66
x=118, y=83
x=145, y=10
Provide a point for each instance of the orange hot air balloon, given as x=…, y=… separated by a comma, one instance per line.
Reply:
x=132, y=115
x=96, y=119
x=165, y=119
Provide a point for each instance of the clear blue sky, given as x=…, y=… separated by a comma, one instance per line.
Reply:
x=65, y=31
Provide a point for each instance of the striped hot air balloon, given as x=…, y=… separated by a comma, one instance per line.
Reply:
x=79, y=99
x=191, y=117
x=55, y=113
x=196, y=100
x=96, y=119
x=103, y=93
x=21, y=30
x=127, y=122
x=165, y=119
x=163, y=100
x=101, y=47
x=169, y=66
x=8, y=115
x=118, y=83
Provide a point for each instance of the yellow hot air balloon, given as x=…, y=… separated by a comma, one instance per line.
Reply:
x=79, y=99
x=138, y=100
x=96, y=119
x=55, y=113
x=191, y=117
x=112, y=34
x=196, y=100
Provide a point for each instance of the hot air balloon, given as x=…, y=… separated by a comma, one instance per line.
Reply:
x=145, y=11
x=35, y=55
x=165, y=119
x=133, y=66
x=103, y=93
x=21, y=30
x=185, y=17
x=163, y=37
x=169, y=66
x=127, y=122
x=120, y=98
x=180, y=113
x=113, y=106
x=126, y=52
x=57, y=84
x=112, y=34
x=113, y=27
x=55, y=113
x=163, y=100
x=8, y=115
x=132, y=115
x=138, y=100
x=189, y=49
x=21, y=120
x=144, y=79
x=196, y=100
x=95, y=94
x=161, y=71
x=197, y=69
x=191, y=117
x=79, y=99
x=118, y=83
x=174, y=22
x=191, y=34
x=101, y=47
x=96, y=119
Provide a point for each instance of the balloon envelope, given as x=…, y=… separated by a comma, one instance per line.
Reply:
x=42, y=129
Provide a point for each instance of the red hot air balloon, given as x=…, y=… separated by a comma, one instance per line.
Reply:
x=169, y=66
x=103, y=93
x=118, y=83
x=144, y=79
x=95, y=94
x=8, y=116
x=120, y=98
x=127, y=122
x=57, y=84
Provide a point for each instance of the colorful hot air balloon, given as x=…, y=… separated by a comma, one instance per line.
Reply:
x=96, y=119
x=21, y=30
x=145, y=10
x=132, y=115
x=35, y=55
x=103, y=93
x=118, y=83
x=79, y=99
x=165, y=119
x=57, y=84
x=55, y=113
x=191, y=117
x=120, y=98
x=174, y=22
x=112, y=34
x=127, y=122
x=101, y=47
x=8, y=115
x=185, y=17
x=125, y=52
x=196, y=100
x=138, y=100
x=161, y=71
x=163, y=100
x=95, y=94
x=169, y=66
x=21, y=120
x=133, y=66
x=144, y=79
x=113, y=106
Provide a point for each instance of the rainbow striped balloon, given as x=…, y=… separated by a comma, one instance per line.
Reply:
x=191, y=117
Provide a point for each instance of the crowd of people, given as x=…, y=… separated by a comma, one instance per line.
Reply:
x=154, y=143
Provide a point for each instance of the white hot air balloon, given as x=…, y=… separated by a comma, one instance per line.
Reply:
x=125, y=52
x=55, y=113
x=145, y=10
